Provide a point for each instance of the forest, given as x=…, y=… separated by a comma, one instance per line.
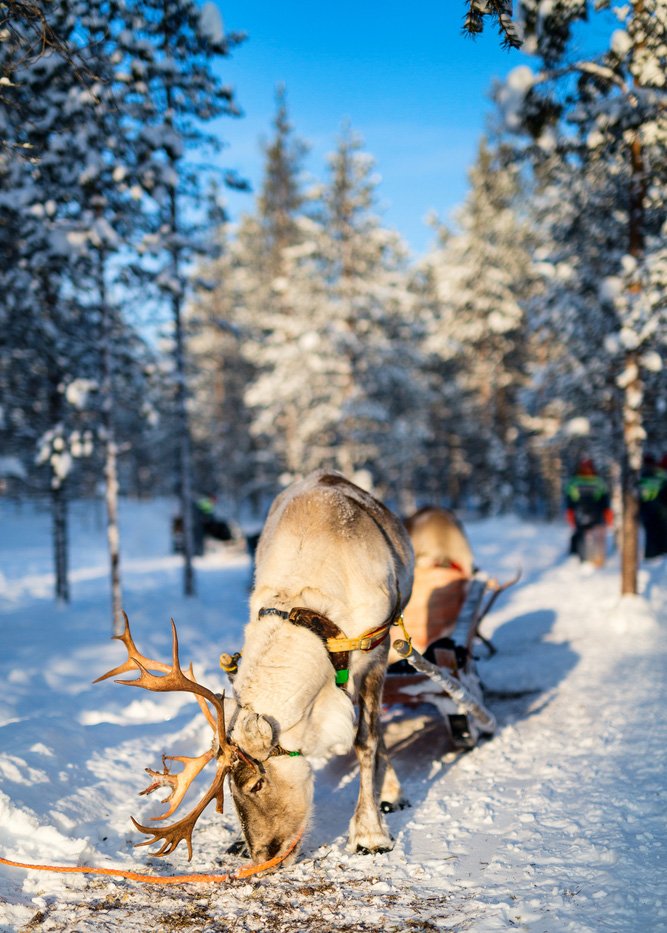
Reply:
x=149, y=346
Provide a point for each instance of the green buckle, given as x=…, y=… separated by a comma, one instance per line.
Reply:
x=342, y=677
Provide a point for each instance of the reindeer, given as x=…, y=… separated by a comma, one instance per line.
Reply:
x=333, y=572
x=438, y=540
x=444, y=565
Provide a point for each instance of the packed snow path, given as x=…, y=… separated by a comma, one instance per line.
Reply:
x=556, y=824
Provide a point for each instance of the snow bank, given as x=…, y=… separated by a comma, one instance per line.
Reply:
x=555, y=823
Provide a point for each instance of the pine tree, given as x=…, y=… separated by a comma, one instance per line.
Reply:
x=101, y=177
x=182, y=92
x=334, y=390
x=604, y=116
x=234, y=318
x=501, y=12
x=40, y=207
x=281, y=198
x=483, y=273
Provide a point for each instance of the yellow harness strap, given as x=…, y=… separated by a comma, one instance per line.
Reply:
x=400, y=621
x=365, y=642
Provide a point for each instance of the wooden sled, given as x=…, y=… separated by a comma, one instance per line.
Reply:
x=445, y=674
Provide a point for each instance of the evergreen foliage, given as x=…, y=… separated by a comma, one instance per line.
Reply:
x=483, y=279
x=132, y=315
x=95, y=210
x=597, y=132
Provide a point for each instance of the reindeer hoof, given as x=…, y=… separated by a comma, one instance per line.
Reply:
x=362, y=850
x=239, y=847
x=387, y=806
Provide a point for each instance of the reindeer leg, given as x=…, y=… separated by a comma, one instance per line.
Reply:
x=391, y=795
x=368, y=832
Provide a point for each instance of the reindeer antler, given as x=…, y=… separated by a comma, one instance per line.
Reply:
x=133, y=655
x=172, y=678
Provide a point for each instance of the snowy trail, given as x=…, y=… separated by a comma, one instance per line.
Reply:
x=556, y=824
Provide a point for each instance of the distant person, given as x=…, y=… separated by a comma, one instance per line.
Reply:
x=653, y=505
x=207, y=524
x=588, y=513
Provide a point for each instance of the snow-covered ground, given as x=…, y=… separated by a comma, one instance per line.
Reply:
x=558, y=823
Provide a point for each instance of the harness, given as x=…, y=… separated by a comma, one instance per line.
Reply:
x=336, y=642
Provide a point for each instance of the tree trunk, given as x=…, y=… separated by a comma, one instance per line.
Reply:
x=632, y=461
x=185, y=457
x=58, y=499
x=633, y=431
x=616, y=483
x=629, y=534
x=60, y=542
x=111, y=453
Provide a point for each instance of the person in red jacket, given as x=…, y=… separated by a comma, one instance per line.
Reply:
x=588, y=513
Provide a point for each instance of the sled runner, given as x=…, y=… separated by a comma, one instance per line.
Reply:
x=445, y=674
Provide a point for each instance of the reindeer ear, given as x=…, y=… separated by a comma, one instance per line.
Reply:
x=253, y=733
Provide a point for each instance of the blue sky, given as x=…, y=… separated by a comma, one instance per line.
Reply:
x=403, y=75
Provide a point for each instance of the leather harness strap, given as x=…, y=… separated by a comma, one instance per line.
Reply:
x=335, y=640
x=326, y=631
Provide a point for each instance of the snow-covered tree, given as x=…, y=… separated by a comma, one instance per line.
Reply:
x=104, y=177
x=500, y=11
x=601, y=118
x=483, y=274
x=335, y=387
x=281, y=198
x=242, y=300
x=29, y=30
x=40, y=208
x=181, y=91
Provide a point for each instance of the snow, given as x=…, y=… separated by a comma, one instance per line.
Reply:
x=555, y=824
x=651, y=361
x=578, y=427
x=621, y=43
x=512, y=93
x=78, y=390
x=12, y=466
x=210, y=23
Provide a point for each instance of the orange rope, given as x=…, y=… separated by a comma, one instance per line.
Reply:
x=156, y=879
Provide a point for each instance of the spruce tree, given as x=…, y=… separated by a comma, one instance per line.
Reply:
x=335, y=389
x=181, y=93
x=604, y=115
x=235, y=318
x=483, y=273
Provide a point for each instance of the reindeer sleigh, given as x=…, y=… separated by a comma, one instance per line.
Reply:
x=432, y=660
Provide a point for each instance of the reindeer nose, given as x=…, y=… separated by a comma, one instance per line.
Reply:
x=273, y=848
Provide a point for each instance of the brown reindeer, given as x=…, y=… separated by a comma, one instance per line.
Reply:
x=444, y=565
x=333, y=571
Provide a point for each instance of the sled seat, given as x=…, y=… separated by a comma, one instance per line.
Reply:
x=438, y=594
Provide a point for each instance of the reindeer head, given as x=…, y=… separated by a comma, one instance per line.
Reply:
x=274, y=806
x=271, y=787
